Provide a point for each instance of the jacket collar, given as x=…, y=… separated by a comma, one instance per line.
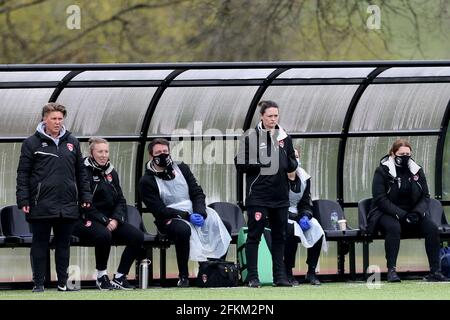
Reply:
x=389, y=162
x=281, y=133
x=90, y=164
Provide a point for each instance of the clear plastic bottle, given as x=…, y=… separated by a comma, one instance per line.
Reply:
x=334, y=220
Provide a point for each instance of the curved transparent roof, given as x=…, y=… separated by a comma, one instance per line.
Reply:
x=105, y=111
x=224, y=74
x=201, y=108
x=30, y=76
x=304, y=73
x=123, y=75
x=310, y=108
x=21, y=110
x=401, y=107
x=416, y=72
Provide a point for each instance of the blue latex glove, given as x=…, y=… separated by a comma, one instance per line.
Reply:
x=196, y=219
x=304, y=223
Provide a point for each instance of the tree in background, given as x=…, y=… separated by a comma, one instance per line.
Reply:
x=35, y=31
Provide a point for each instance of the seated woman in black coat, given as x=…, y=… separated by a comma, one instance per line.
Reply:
x=105, y=220
x=400, y=204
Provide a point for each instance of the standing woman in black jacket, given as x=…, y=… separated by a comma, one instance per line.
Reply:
x=400, y=204
x=51, y=182
x=105, y=220
x=266, y=156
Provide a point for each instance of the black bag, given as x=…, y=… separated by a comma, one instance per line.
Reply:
x=217, y=273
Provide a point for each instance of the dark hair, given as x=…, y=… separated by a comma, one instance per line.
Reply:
x=397, y=144
x=156, y=141
x=52, y=107
x=266, y=104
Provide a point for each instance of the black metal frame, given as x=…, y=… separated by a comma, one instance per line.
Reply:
x=262, y=84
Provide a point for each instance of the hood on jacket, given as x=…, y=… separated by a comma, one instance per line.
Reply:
x=389, y=162
x=41, y=129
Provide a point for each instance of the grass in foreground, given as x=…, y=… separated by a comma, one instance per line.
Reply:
x=406, y=290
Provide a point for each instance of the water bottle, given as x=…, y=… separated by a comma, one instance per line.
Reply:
x=143, y=273
x=334, y=220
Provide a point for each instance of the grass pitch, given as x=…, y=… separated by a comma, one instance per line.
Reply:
x=406, y=290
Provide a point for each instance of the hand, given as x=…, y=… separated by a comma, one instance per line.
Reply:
x=112, y=225
x=412, y=218
x=86, y=205
x=304, y=223
x=26, y=209
x=196, y=219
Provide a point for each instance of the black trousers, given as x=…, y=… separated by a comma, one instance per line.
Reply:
x=393, y=229
x=62, y=231
x=290, y=251
x=180, y=232
x=277, y=218
x=125, y=233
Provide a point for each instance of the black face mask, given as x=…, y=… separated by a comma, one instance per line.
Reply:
x=163, y=160
x=402, y=161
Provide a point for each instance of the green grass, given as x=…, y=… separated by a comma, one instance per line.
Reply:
x=406, y=290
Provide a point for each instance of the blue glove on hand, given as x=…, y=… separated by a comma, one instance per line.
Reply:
x=196, y=219
x=304, y=223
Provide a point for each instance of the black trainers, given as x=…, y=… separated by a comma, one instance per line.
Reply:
x=65, y=288
x=282, y=283
x=254, y=283
x=392, y=276
x=183, y=282
x=293, y=281
x=103, y=283
x=122, y=283
x=38, y=289
x=312, y=279
x=436, y=277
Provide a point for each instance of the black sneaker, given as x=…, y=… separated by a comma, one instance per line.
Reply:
x=312, y=279
x=183, y=282
x=38, y=289
x=254, y=283
x=293, y=281
x=392, y=276
x=65, y=288
x=122, y=283
x=436, y=277
x=103, y=283
x=282, y=283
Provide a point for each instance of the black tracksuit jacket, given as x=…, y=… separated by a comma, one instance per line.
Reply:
x=107, y=196
x=385, y=192
x=265, y=190
x=51, y=179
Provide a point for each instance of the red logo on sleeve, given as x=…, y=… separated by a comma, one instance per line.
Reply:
x=258, y=216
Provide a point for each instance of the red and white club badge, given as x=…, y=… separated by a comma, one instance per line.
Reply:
x=416, y=177
x=70, y=147
x=258, y=216
x=204, y=278
x=109, y=177
x=88, y=223
x=281, y=143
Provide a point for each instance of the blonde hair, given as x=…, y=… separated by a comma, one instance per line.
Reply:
x=96, y=140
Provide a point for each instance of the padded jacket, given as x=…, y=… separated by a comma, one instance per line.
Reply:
x=107, y=196
x=51, y=178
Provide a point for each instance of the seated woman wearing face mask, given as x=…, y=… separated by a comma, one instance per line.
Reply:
x=171, y=193
x=400, y=204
